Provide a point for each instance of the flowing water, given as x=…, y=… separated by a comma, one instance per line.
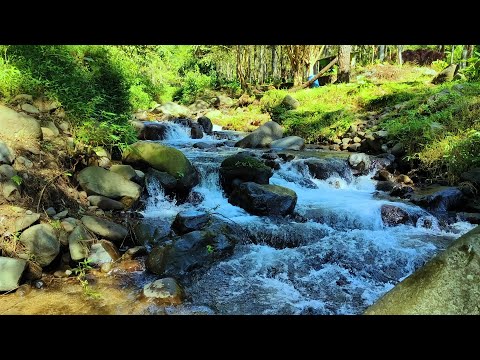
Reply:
x=338, y=260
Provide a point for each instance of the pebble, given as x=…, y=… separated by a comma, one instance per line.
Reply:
x=106, y=267
x=39, y=284
x=29, y=212
x=60, y=274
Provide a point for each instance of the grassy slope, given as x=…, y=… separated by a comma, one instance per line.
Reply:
x=441, y=134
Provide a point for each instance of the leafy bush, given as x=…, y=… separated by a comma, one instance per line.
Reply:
x=195, y=84
x=439, y=65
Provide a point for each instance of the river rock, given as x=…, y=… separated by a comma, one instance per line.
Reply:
x=7, y=172
x=198, y=106
x=262, y=136
x=98, y=181
x=151, y=130
x=243, y=167
x=52, y=127
x=206, y=124
x=360, y=162
x=264, y=199
x=30, y=109
x=195, y=250
x=165, y=159
x=164, y=292
x=25, y=221
x=398, y=149
x=324, y=168
x=103, y=252
x=204, y=146
x=393, y=215
x=11, y=271
x=448, y=284
x=18, y=127
x=60, y=215
x=289, y=143
x=151, y=232
x=438, y=198
x=6, y=154
x=79, y=242
x=190, y=220
x=196, y=131
x=174, y=110
x=50, y=211
x=105, y=203
x=168, y=182
x=105, y=228
x=290, y=102
x=41, y=242
x=10, y=190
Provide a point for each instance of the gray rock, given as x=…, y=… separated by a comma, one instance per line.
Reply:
x=98, y=181
x=438, y=198
x=50, y=211
x=51, y=125
x=105, y=228
x=173, y=110
x=70, y=223
x=30, y=109
x=168, y=182
x=6, y=154
x=164, y=292
x=324, y=168
x=64, y=126
x=190, y=220
x=261, y=137
x=288, y=143
x=393, y=215
x=103, y=252
x=41, y=242
x=7, y=172
x=22, y=98
x=11, y=271
x=60, y=215
x=206, y=124
x=196, y=131
x=152, y=130
x=360, y=162
x=398, y=149
x=203, y=146
x=105, y=203
x=20, y=128
x=101, y=152
x=244, y=167
x=10, y=190
x=26, y=221
x=150, y=232
x=264, y=199
x=47, y=133
x=24, y=161
x=446, y=74
x=290, y=102
x=79, y=242
x=46, y=105
x=448, y=284
x=126, y=171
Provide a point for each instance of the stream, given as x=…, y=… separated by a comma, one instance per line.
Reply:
x=338, y=260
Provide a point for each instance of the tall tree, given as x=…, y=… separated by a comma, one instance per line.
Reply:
x=381, y=52
x=399, y=51
x=344, y=63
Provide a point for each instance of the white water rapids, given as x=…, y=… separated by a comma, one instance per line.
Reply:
x=337, y=262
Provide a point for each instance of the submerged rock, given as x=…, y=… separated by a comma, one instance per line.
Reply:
x=438, y=198
x=190, y=220
x=393, y=215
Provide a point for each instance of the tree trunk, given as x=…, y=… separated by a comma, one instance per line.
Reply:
x=399, y=50
x=470, y=51
x=464, y=57
x=451, y=55
x=312, y=80
x=263, y=63
x=240, y=68
x=344, y=63
x=274, y=62
x=381, y=52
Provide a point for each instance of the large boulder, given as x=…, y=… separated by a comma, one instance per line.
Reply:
x=190, y=220
x=151, y=130
x=448, y=284
x=288, y=143
x=327, y=167
x=393, y=215
x=163, y=158
x=261, y=137
x=446, y=74
x=41, y=242
x=438, y=198
x=206, y=124
x=19, y=129
x=264, y=199
x=105, y=228
x=98, y=181
x=243, y=167
x=11, y=271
